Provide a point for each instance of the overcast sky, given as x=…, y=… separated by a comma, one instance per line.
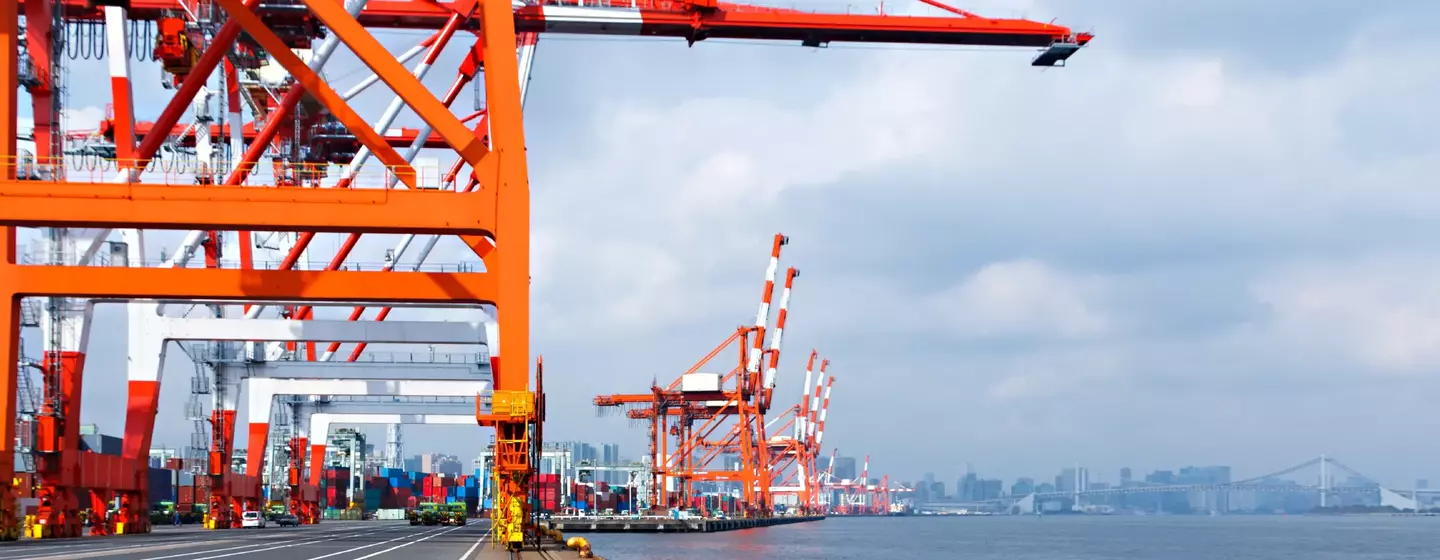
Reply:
x=1210, y=240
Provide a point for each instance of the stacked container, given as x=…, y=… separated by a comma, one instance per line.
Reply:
x=547, y=491
x=337, y=488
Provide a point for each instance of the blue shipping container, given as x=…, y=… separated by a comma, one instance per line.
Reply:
x=582, y=505
x=162, y=485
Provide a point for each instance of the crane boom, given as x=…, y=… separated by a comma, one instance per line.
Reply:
x=694, y=20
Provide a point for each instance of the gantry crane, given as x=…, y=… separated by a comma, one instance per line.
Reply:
x=729, y=408
x=208, y=38
x=792, y=467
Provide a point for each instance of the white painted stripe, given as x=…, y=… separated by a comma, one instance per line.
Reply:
x=406, y=536
x=611, y=21
x=338, y=535
x=474, y=546
x=403, y=545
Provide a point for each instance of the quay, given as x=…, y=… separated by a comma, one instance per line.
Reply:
x=661, y=524
x=331, y=540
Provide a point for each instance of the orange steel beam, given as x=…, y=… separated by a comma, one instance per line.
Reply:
x=10, y=525
x=220, y=133
x=246, y=285
x=506, y=173
x=669, y=18
x=321, y=90
x=108, y=205
x=405, y=84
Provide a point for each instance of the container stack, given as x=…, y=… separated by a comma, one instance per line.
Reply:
x=337, y=488
x=584, y=496
x=467, y=491
x=547, y=490
x=397, y=489
x=162, y=485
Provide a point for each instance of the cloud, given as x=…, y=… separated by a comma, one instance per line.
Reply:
x=1380, y=312
x=1017, y=298
x=1207, y=225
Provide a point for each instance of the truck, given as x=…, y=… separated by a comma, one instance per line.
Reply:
x=454, y=514
x=427, y=513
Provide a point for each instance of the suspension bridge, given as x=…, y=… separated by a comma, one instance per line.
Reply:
x=1329, y=493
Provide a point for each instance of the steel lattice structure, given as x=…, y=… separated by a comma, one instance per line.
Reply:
x=306, y=132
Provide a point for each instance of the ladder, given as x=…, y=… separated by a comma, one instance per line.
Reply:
x=26, y=397
x=198, y=453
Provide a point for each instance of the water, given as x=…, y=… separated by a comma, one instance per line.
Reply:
x=1051, y=538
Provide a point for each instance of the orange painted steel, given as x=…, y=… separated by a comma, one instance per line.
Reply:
x=502, y=181
x=108, y=205
x=10, y=526
x=250, y=285
x=704, y=425
x=694, y=22
x=397, y=137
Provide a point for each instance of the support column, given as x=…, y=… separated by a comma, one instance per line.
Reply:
x=9, y=302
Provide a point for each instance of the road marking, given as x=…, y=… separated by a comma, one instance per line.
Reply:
x=48, y=551
x=368, y=546
x=474, y=546
x=403, y=545
x=106, y=551
x=338, y=535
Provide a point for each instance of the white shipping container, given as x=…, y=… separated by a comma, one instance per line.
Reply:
x=698, y=382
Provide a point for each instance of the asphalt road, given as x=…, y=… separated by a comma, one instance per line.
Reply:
x=330, y=540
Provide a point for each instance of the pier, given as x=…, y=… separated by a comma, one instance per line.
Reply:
x=659, y=524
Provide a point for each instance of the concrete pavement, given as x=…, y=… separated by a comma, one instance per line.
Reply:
x=330, y=540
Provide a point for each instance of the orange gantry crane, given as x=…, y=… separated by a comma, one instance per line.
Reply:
x=231, y=36
x=710, y=415
x=793, y=456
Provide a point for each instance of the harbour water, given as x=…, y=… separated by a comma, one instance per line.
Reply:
x=1058, y=537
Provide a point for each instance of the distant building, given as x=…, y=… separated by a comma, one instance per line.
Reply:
x=988, y=489
x=845, y=468
x=1160, y=477
x=1126, y=478
x=434, y=463
x=937, y=491
x=1045, y=488
x=1022, y=487
x=968, y=488
x=1204, y=475
x=1422, y=484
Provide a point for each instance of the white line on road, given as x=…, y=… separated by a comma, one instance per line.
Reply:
x=405, y=544
x=371, y=545
x=96, y=549
x=338, y=535
x=474, y=546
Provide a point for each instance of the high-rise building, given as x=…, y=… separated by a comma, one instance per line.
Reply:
x=968, y=488
x=1022, y=487
x=845, y=468
x=437, y=463
x=1065, y=481
x=1422, y=484
x=1126, y=477
x=988, y=489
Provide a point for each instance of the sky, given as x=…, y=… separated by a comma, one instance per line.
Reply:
x=1203, y=242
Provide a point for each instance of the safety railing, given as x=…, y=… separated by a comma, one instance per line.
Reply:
x=481, y=358
x=97, y=165
x=897, y=8
x=447, y=268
